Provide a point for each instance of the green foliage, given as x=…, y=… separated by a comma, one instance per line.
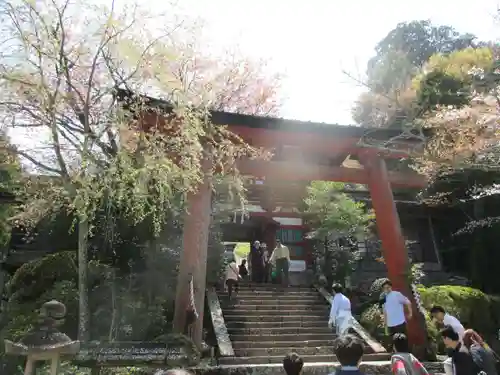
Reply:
x=441, y=89
x=459, y=63
x=447, y=78
x=35, y=278
x=133, y=306
x=10, y=174
x=51, y=277
x=408, y=46
x=333, y=215
x=330, y=210
x=401, y=55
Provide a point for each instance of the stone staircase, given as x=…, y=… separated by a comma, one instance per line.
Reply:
x=265, y=323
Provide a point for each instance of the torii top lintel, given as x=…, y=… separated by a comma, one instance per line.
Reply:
x=329, y=140
x=321, y=138
x=310, y=138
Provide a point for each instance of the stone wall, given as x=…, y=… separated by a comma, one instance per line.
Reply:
x=369, y=368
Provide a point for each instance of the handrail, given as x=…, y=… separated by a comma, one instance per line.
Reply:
x=221, y=334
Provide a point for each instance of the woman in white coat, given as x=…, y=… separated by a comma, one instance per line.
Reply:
x=340, y=313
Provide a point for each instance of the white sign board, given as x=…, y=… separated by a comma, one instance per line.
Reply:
x=297, y=266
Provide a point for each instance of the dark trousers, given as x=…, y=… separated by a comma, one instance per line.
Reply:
x=401, y=328
x=282, y=271
x=257, y=272
x=230, y=285
x=267, y=272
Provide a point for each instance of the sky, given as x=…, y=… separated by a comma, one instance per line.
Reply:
x=314, y=42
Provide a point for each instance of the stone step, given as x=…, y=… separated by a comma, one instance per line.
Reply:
x=283, y=307
x=321, y=312
x=283, y=337
x=307, y=359
x=270, y=293
x=252, y=300
x=281, y=330
x=270, y=299
x=283, y=351
x=265, y=324
x=282, y=344
x=230, y=316
x=261, y=286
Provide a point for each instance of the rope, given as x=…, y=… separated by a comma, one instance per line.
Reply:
x=418, y=299
x=191, y=312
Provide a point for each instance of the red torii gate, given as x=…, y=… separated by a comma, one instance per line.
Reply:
x=314, y=139
x=311, y=139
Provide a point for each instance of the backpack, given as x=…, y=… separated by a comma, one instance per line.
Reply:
x=407, y=362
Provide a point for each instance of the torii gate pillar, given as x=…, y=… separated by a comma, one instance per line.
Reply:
x=393, y=243
x=193, y=261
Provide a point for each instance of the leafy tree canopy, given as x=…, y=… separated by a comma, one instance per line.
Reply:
x=330, y=210
x=408, y=46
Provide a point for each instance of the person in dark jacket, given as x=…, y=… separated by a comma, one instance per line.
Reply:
x=256, y=262
x=461, y=358
x=482, y=355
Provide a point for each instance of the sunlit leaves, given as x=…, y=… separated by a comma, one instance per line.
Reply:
x=331, y=210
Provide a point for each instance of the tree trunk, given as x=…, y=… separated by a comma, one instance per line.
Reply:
x=83, y=292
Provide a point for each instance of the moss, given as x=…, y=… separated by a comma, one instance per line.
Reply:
x=471, y=306
x=32, y=279
x=51, y=277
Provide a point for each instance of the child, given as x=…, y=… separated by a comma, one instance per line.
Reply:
x=293, y=364
x=402, y=361
x=349, y=350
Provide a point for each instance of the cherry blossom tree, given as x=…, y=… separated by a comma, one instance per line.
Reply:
x=60, y=67
x=466, y=137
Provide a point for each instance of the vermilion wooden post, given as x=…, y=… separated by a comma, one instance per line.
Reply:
x=194, y=259
x=393, y=243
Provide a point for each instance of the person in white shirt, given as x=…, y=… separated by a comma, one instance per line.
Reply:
x=281, y=256
x=439, y=315
x=397, y=309
x=340, y=313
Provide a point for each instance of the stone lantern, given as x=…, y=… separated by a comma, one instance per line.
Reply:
x=44, y=342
